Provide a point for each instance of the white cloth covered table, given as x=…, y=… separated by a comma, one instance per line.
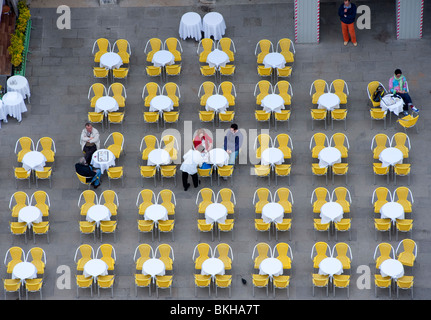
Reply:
x=331, y=212
x=330, y=266
x=274, y=60
x=273, y=103
x=162, y=58
x=391, y=156
x=392, y=104
x=156, y=212
x=217, y=58
x=328, y=101
x=106, y=104
x=103, y=164
x=392, y=210
x=110, y=60
x=154, y=267
x=158, y=157
x=161, y=103
x=14, y=105
x=30, y=215
x=213, y=24
x=213, y=267
x=271, y=156
x=190, y=26
x=218, y=157
x=215, y=212
x=19, y=84
x=24, y=270
x=271, y=266
x=272, y=212
x=33, y=160
x=392, y=268
x=98, y=213
x=94, y=268
x=217, y=103
x=328, y=156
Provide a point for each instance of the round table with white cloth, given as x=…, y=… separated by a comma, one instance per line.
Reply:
x=161, y=103
x=218, y=157
x=13, y=105
x=217, y=103
x=392, y=268
x=271, y=156
x=328, y=156
x=274, y=60
x=391, y=156
x=154, y=267
x=33, y=160
x=162, y=58
x=30, y=214
x=272, y=103
x=190, y=26
x=392, y=210
x=213, y=24
x=271, y=266
x=212, y=267
x=103, y=164
x=158, y=157
x=328, y=101
x=24, y=270
x=272, y=212
x=19, y=84
x=392, y=104
x=110, y=60
x=330, y=266
x=156, y=212
x=331, y=212
x=217, y=58
x=215, y=212
x=106, y=104
x=94, y=268
x=98, y=213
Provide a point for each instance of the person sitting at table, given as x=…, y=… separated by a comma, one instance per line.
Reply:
x=398, y=86
x=90, y=141
x=86, y=170
x=189, y=167
x=202, y=142
x=233, y=142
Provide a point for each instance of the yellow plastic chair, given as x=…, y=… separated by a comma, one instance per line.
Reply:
x=87, y=227
x=115, y=173
x=319, y=197
x=283, y=252
x=404, y=196
x=382, y=225
x=404, y=225
x=264, y=71
x=168, y=171
x=264, y=196
x=102, y=46
x=319, y=87
x=167, y=199
x=166, y=226
x=206, y=90
x=227, y=70
x=171, y=117
x=89, y=199
x=33, y=285
x=339, y=115
x=224, y=252
x=284, y=197
x=123, y=50
x=371, y=88
x=227, y=89
x=145, y=226
x=408, y=254
x=203, y=226
x=13, y=256
x=108, y=227
x=172, y=45
x=285, y=72
x=383, y=252
x=321, y=227
x=208, y=71
x=261, y=251
x=105, y=282
x=287, y=49
x=339, y=140
x=262, y=116
x=96, y=117
x=342, y=252
x=284, y=89
x=281, y=282
x=207, y=116
x=142, y=281
x=19, y=200
x=342, y=196
x=115, y=118
x=263, y=47
x=282, y=170
x=379, y=142
x=83, y=254
x=118, y=92
x=381, y=195
x=153, y=71
x=117, y=145
x=319, y=171
x=382, y=283
x=107, y=254
x=12, y=285
x=165, y=253
x=320, y=251
x=226, y=226
x=152, y=46
x=202, y=281
x=228, y=46
x=318, y=142
x=100, y=73
x=24, y=145
x=170, y=144
x=227, y=198
x=260, y=281
x=402, y=170
x=40, y=199
x=339, y=169
x=379, y=170
x=152, y=117
x=47, y=148
x=40, y=228
x=37, y=257
x=173, y=70
x=148, y=144
x=318, y=115
x=405, y=282
x=146, y=198
x=262, y=171
x=206, y=173
x=378, y=114
x=261, y=143
x=262, y=226
x=201, y=252
x=96, y=91
x=341, y=281
x=150, y=90
x=401, y=141
x=225, y=172
x=223, y=281
x=164, y=282
x=341, y=89
x=283, y=142
x=408, y=122
x=282, y=116
x=172, y=90
x=320, y=281
x=207, y=197
x=83, y=282
x=261, y=90
x=109, y=199
x=207, y=45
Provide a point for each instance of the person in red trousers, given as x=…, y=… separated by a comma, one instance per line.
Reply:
x=347, y=13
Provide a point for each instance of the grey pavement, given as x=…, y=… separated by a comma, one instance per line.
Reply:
x=60, y=74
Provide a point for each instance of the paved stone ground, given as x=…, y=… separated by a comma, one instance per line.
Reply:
x=60, y=75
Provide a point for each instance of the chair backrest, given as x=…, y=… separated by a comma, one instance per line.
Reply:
x=402, y=194
x=338, y=139
x=86, y=251
x=284, y=45
x=282, y=249
x=171, y=89
x=117, y=89
x=155, y=44
x=264, y=45
x=209, y=88
x=409, y=246
x=224, y=251
x=263, y=141
x=382, y=194
x=144, y=250
x=400, y=140
x=108, y=196
x=102, y=44
x=167, y=196
x=172, y=44
x=319, y=139
x=384, y=250
x=263, y=194
x=207, y=45
x=284, y=141
x=342, y=249
x=151, y=143
x=20, y=197
x=89, y=197
x=203, y=249
x=46, y=143
x=152, y=89
x=283, y=87
x=147, y=195
x=118, y=139
x=25, y=143
x=380, y=140
x=320, y=86
x=40, y=197
x=262, y=249
x=107, y=251
x=372, y=86
x=321, y=194
x=165, y=251
x=264, y=86
x=37, y=254
x=226, y=195
x=340, y=194
x=339, y=85
x=283, y=194
x=15, y=253
x=321, y=249
x=227, y=88
x=122, y=45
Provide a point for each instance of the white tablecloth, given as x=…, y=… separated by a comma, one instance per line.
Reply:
x=95, y=268
x=190, y=26
x=13, y=105
x=19, y=84
x=33, y=160
x=154, y=267
x=272, y=212
x=217, y=58
x=106, y=104
x=110, y=60
x=328, y=101
x=271, y=156
x=215, y=212
x=392, y=104
x=158, y=157
x=162, y=58
x=331, y=212
x=271, y=266
x=273, y=103
x=391, y=156
x=156, y=212
x=218, y=157
x=214, y=25
x=103, y=165
x=98, y=213
x=24, y=270
x=330, y=266
x=392, y=210
x=161, y=103
x=274, y=60
x=29, y=215
x=212, y=267
x=392, y=268
x=217, y=103
x=328, y=156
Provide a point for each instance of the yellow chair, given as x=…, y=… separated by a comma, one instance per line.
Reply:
x=105, y=282
x=115, y=118
x=223, y=281
x=145, y=253
x=382, y=225
x=264, y=71
x=339, y=169
x=319, y=87
x=261, y=90
x=405, y=282
x=264, y=196
x=96, y=117
x=109, y=199
x=227, y=89
x=261, y=143
x=102, y=46
x=172, y=45
x=379, y=170
x=33, y=285
x=260, y=281
x=47, y=148
x=285, y=72
x=19, y=200
x=404, y=225
x=341, y=195
x=108, y=255
x=150, y=90
x=322, y=251
x=170, y=144
x=173, y=70
x=40, y=228
x=342, y=252
x=226, y=226
x=89, y=199
x=208, y=89
x=341, y=89
x=168, y=171
x=206, y=173
x=96, y=91
x=284, y=89
x=24, y=145
x=83, y=254
x=115, y=173
x=164, y=282
x=153, y=71
x=318, y=115
x=383, y=252
x=262, y=226
x=142, y=281
x=409, y=121
x=281, y=282
x=263, y=47
x=262, y=171
x=225, y=172
x=13, y=256
x=152, y=46
x=224, y=252
x=201, y=252
x=83, y=282
x=285, y=199
x=123, y=50
x=317, y=170
x=152, y=117
x=166, y=226
x=203, y=226
x=100, y=73
x=208, y=71
x=408, y=256
x=341, y=281
x=207, y=45
x=202, y=281
x=262, y=116
x=339, y=115
x=378, y=114
x=165, y=253
x=322, y=196
x=151, y=143
x=227, y=198
x=207, y=197
x=37, y=257
x=118, y=92
x=146, y=198
x=282, y=116
x=318, y=142
x=227, y=116
x=284, y=46
x=228, y=46
x=146, y=226
x=380, y=142
x=12, y=285
x=339, y=140
x=283, y=252
x=320, y=281
x=87, y=227
x=171, y=117
x=45, y=174
x=18, y=229
x=227, y=70
x=383, y=283
x=371, y=88
x=41, y=201
x=402, y=170
x=283, y=142
x=282, y=170
x=117, y=145
x=168, y=200
x=321, y=227
x=172, y=90
x=401, y=141
x=261, y=251
x=382, y=196
x=109, y=227
x=404, y=196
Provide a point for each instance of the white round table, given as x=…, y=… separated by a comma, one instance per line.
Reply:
x=274, y=60
x=392, y=210
x=13, y=104
x=154, y=267
x=392, y=268
x=162, y=58
x=30, y=214
x=215, y=212
x=106, y=104
x=271, y=266
x=110, y=60
x=212, y=267
x=330, y=266
x=272, y=103
x=328, y=156
x=217, y=103
x=213, y=24
x=98, y=160
x=158, y=157
x=391, y=156
x=328, y=101
x=95, y=268
x=98, y=213
x=217, y=58
x=156, y=212
x=272, y=156
x=190, y=26
x=218, y=157
x=19, y=84
x=331, y=212
x=24, y=270
x=161, y=103
x=392, y=104
x=272, y=212
x=33, y=160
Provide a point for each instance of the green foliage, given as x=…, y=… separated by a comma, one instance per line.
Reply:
x=17, y=39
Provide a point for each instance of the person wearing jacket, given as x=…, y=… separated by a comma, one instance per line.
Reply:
x=398, y=86
x=92, y=174
x=347, y=13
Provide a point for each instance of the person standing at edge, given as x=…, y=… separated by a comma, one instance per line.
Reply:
x=233, y=142
x=347, y=13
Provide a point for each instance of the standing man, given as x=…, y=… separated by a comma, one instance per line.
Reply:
x=233, y=142
x=90, y=141
x=347, y=13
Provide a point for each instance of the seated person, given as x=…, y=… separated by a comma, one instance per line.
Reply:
x=86, y=170
x=202, y=141
x=398, y=86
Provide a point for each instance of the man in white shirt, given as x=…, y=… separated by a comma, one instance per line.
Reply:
x=192, y=159
x=90, y=141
